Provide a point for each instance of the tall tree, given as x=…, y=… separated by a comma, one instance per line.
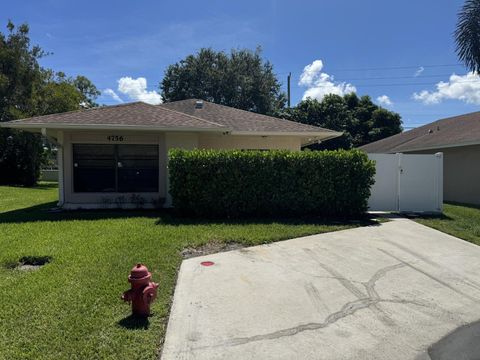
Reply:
x=87, y=90
x=467, y=35
x=359, y=119
x=27, y=89
x=241, y=79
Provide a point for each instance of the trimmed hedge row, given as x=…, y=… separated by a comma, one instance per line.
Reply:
x=234, y=183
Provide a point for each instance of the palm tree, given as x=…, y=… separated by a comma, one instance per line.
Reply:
x=467, y=35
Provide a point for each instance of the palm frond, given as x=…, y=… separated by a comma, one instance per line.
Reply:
x=467, y=35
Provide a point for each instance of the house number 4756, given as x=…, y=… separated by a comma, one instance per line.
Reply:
x=115, y=138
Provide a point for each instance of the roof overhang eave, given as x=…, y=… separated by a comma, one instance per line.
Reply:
x=442, y=146
x=26, y=126
x=320, y=135
x=313, y=140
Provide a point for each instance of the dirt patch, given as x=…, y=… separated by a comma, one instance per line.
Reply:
x=210, y=248
x=29, y=263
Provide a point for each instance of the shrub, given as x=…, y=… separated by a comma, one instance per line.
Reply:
x=233, y=183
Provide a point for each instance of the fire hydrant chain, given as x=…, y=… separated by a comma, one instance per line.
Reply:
x=143, y=291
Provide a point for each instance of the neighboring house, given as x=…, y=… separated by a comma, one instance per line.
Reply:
x=117, y=155
x=458, y=138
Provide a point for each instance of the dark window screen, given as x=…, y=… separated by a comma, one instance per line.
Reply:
x=115, y=168
x=93, y=168
x=137, y=168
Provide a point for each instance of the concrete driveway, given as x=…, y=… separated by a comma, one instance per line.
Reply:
x=398, y=290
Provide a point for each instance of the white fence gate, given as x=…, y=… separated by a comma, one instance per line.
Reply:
x=409, y=183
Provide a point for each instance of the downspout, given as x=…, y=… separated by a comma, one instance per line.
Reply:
x=61, y=187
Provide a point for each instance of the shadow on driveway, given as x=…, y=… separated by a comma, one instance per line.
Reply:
x=461, y=344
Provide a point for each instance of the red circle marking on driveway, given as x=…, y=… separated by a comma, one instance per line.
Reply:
x=207, y=263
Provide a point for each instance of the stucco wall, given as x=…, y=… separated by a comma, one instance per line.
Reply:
x=461, y=173
x=165, y=141
x=220, y=141
x=87, y=200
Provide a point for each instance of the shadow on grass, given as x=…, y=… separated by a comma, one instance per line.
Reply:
x=42, y=212
x=133, y=322
x=46, y=185
x=428, y=216
x=173, y=220
x=471, y=206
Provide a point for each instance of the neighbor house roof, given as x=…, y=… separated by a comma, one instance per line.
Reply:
x=176, y=116
x=454, y=131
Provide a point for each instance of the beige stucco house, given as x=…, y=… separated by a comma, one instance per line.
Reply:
x=458, y=138
x=117, y=155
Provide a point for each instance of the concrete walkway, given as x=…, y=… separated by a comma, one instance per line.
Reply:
x=398, y=290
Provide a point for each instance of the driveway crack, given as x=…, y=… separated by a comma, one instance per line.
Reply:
x=364, y=301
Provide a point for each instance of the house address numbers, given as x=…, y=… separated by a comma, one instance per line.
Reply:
x=116, y=138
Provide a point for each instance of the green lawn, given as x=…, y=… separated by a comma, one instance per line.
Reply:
x=71, y=307
x=459, y=220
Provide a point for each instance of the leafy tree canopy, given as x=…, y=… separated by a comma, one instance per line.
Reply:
x=241, y=79
x=359, y=119
x=27, y=89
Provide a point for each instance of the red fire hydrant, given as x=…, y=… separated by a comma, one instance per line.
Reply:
x=143, y=291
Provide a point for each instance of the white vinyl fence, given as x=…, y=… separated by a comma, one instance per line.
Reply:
x=407, y=183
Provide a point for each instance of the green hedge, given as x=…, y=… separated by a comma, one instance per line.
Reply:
x=233, y=183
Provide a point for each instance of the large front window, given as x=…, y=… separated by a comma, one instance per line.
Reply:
x=115, y=168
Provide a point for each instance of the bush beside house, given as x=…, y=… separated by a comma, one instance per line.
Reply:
x=231, y=183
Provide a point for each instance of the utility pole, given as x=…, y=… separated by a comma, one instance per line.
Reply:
x=288, y=88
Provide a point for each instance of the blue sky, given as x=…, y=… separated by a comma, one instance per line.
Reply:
x=390, y=50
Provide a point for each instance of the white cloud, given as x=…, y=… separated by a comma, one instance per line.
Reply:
x=113, y=95
x=384, y=100
x=465, y=88
x=319, y=84
x=136, y=89
x=419, y=71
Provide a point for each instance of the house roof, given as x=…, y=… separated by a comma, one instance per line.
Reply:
x=454, y=131
x=240, y=120
x=136, y=114
x=175, y=116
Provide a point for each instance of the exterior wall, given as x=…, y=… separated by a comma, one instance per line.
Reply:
x=461, y=173
x=220, y=141
x=71, y=200
x=74, y=200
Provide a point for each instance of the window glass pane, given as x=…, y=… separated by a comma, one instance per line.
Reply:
x=137, y=168
x=93, y=168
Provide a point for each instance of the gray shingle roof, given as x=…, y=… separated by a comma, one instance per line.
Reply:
x=181, y=115
x=240, y=120
x=453, y=131
x=132, y=114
